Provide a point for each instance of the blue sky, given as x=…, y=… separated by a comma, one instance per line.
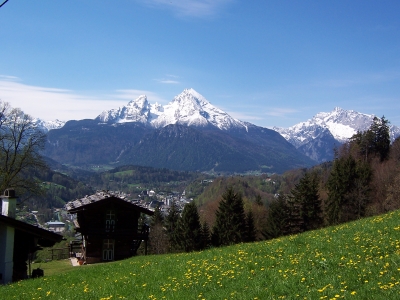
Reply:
x=271, y=63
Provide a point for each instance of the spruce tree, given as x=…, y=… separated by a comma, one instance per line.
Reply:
x=277, y=218
x=380, y=129
x=230, y=223
x=172, y=227
x=158, y=217
x=251, y=232
x=205, y=236
x=258, y=200
x=305, y=196
x=158, y=243
x=374, y=141
x=348, y=190
x=190, y=228
x=339, y=183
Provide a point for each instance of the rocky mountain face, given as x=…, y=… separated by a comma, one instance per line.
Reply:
x=317, y=137
x=188, y=108
x=45, y=126
x=189, y=133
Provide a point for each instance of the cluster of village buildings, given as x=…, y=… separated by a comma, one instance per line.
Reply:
x=146, y=198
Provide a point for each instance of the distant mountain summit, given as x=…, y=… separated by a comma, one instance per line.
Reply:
x=318, y=136
x=45, y=126
x=188, y=108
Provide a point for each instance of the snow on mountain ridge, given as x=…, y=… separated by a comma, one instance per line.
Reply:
x=45, y=126
x=341, y=123
x=188, y=108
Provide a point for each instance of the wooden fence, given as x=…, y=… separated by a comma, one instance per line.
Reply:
x=59, y=253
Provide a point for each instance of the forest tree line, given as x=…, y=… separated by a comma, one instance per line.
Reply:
x=363, y=180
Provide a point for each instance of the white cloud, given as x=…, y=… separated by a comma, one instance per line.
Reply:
x=169, y=79
x=53, y=103
x=194, y=8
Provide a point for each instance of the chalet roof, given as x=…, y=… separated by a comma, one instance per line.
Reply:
x=44, y=236
x=55, y=223
x=100, y=196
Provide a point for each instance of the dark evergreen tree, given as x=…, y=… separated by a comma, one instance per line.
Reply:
x=158, y=241
x=158, y=217
x=172, y=228
x=306, y=199
x=380, y=130
x=348, y=190
x=374, y=141
x=190, y=228
x=230, y=223
x=363, y=144
x=340, y=182
x=277, y=218
x=258, y=200
x=251, y=232
x=205, y=236
x=294, y=221
x=359, y=197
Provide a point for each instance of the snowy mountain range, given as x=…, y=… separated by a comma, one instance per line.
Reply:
x=189, y=133
x=317, y=136
x=47, y=125
x=188, y=108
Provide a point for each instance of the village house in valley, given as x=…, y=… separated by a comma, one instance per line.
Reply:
x=19, y=241
x=109, y=226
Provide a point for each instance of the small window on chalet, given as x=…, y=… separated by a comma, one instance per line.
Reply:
x=108, y=249
x=110, y=221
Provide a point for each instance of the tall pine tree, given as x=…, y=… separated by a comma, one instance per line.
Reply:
x=348, y=189
x=277, y=218
x=190, y=228
x=381, y=143
x=305, y=196
x=339, y=183
x=230, y=223
x=205, y=236
x=158, y=242
x=251, y=232
x=172, y=228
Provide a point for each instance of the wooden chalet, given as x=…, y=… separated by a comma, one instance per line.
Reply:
x=19, y=241
x=109, y=226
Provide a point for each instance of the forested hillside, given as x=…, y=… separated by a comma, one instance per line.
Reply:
x=57, y=189
x=363, y=180
x=130, y=179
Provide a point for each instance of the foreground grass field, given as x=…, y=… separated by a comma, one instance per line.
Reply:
x=358, y=260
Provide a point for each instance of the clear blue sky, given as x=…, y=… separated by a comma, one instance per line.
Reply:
x=272, y=63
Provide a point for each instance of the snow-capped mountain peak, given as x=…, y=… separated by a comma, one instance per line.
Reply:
x=135, y=111
x=341, y=123
x=316, y=137
x=188, y=108
x=45, y=126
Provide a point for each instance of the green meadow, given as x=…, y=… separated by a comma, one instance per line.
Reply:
x=357, y=260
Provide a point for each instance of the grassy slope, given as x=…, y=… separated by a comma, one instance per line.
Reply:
x=54, y=267
x=358, y=260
